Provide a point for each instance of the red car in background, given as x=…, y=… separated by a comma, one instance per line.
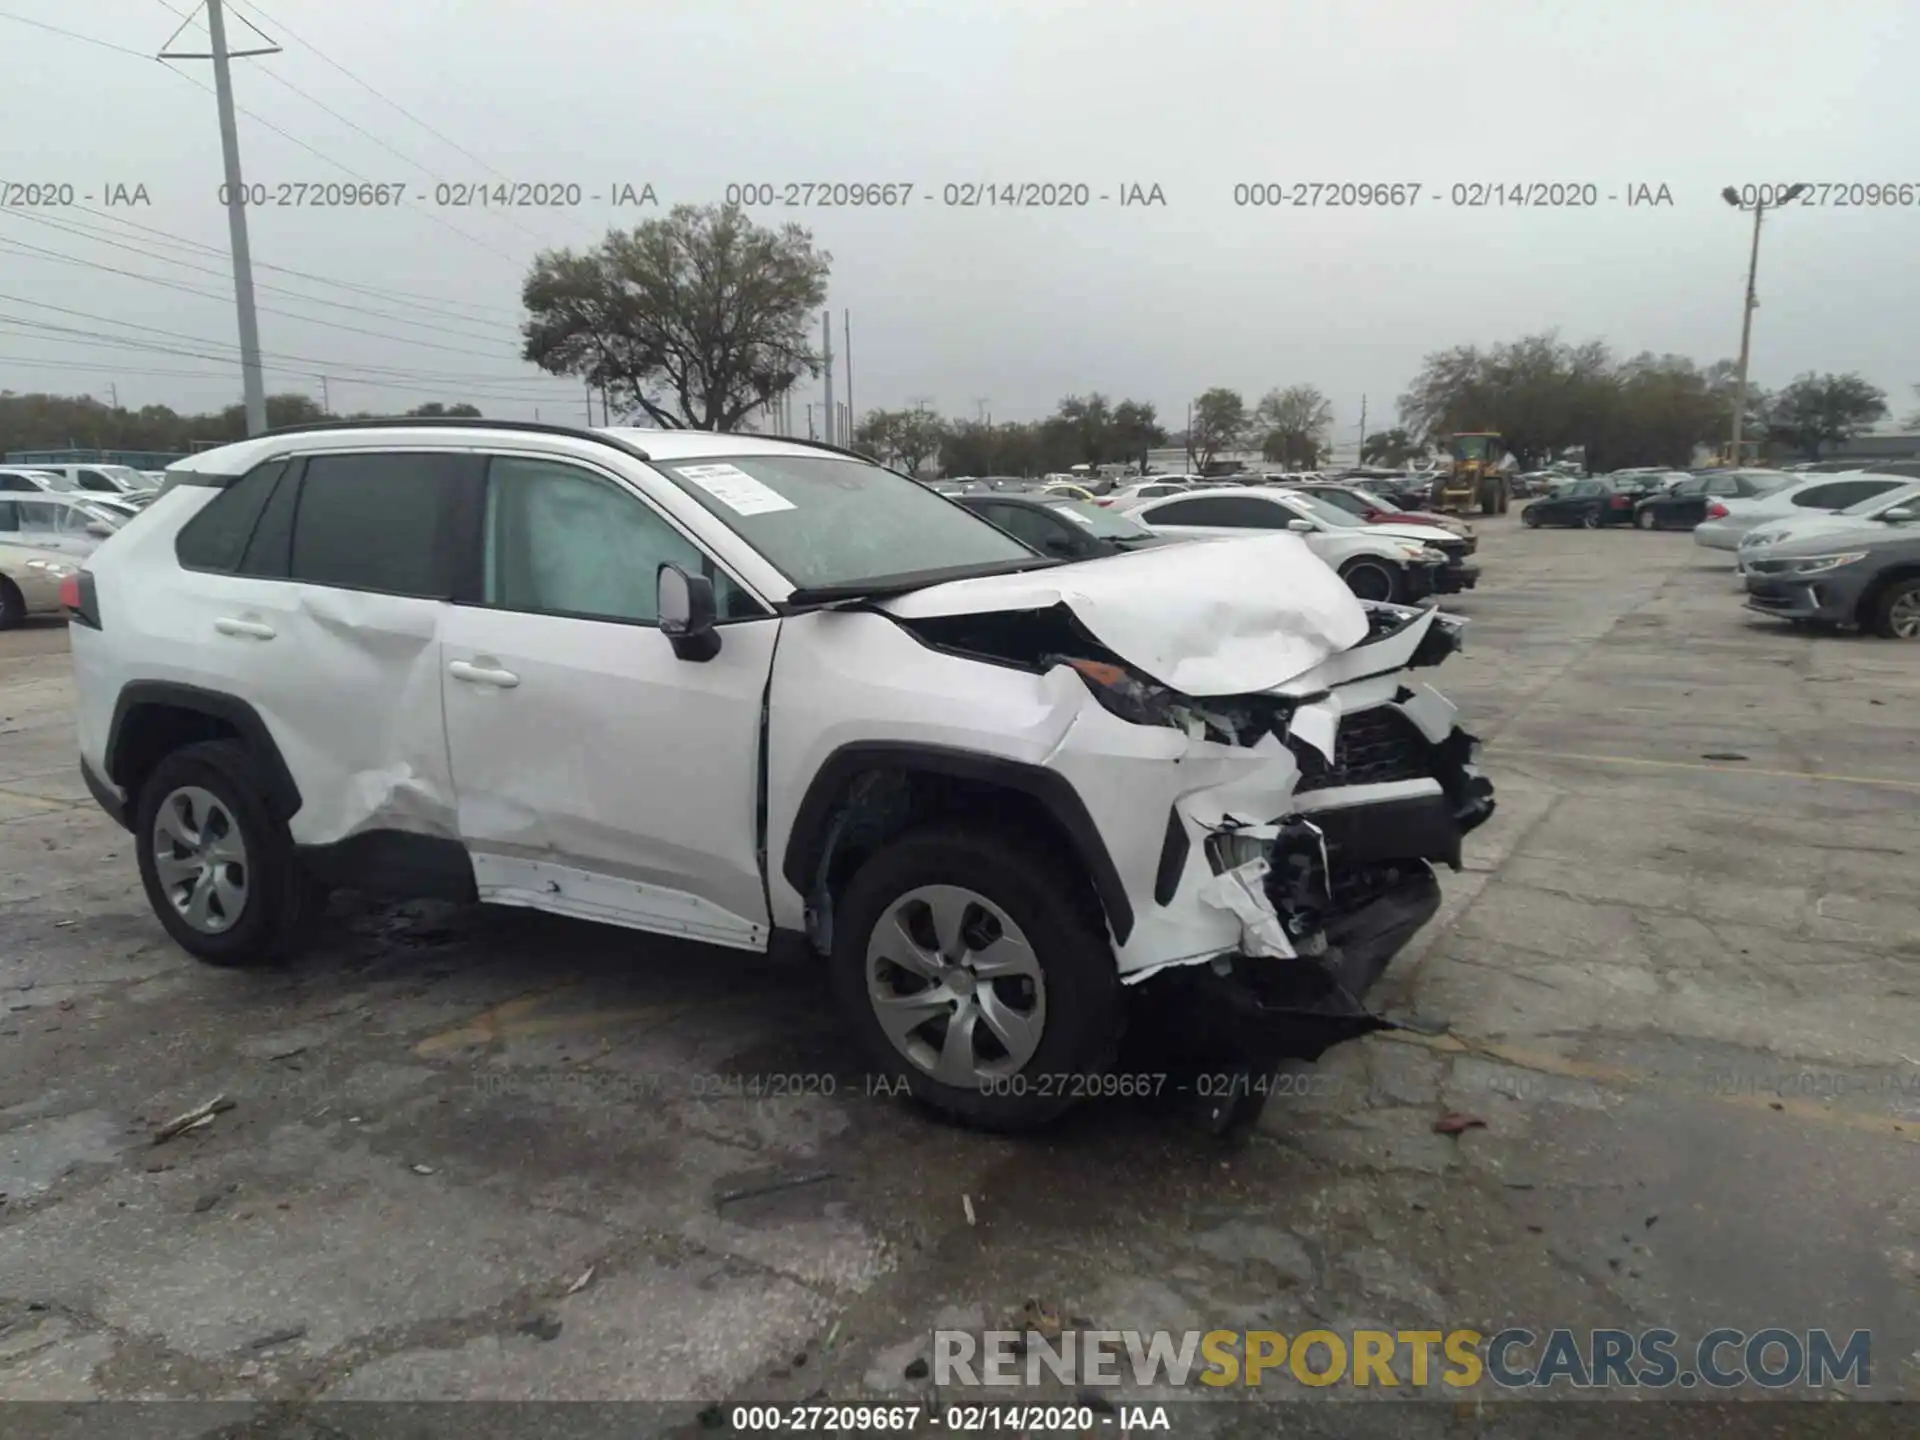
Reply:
x=1375, y=511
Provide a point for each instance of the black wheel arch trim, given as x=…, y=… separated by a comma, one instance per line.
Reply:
x=806, y=841
x=282, y=794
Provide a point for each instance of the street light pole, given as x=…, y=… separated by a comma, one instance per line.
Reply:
x=1752, y=303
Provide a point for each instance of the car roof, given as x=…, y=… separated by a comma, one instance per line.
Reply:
x=663, y=445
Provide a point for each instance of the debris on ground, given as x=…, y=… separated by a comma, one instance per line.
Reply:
x=194, y=1119
x=278, y=1337
x=1723, y=755
x=916, y=1368
x=586, y=1278
x=1456, y=1122
x=540, y=1327
x=212, y=1198
x=421, y=1169
x=1040, y=1316
x=966, y=1203
x=773, y=1185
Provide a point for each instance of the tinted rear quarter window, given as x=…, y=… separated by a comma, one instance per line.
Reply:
x=377, y=522
x=216, y=538
x=1842, y=493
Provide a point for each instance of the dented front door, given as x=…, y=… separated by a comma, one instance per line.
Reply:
x=596, y=773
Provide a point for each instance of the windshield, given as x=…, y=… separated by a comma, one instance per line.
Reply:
x=827, y=523
x=1371, y=499
x=1470, y=447
x=1321, y=510
x=1103, y=523
x=1885, y=500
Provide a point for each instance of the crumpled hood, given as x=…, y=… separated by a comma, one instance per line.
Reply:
x=1231, y=618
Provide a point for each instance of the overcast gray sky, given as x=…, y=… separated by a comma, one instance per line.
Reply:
x=1018, y=307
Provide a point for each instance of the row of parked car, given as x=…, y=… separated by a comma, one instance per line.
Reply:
x=52, y=518
x=1813, y=547
x=1383, y=551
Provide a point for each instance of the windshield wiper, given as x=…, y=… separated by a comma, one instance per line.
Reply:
x=882, y=586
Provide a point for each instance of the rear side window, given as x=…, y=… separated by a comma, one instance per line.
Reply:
x=377, y=522
x=1236, y=511
x=1842, y=493
x=216, y=538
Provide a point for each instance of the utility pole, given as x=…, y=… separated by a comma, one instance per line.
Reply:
x=113, y=394
x=326, y=399
x=253, y=382
x=1360, y=455
x=810, y=434
x=589, y=387
x=1732, y=197
x=826, y=350
x=846, y=317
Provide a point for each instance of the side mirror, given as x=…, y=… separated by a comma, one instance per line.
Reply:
x=687, y=613
x=1900, y=515
x=1302, y=527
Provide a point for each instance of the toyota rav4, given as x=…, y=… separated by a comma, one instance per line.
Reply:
x=769, y=695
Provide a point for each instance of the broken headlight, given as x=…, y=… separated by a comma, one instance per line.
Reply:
x=1121, y=692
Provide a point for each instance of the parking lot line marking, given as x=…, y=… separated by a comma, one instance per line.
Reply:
x=1497, y=749
x=1542, y=1062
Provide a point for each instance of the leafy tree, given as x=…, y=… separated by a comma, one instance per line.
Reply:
x=908, y=437
x=1219, y=423
x=434, y=409
x=1136, y=430
x=1293, y=424
x=1820, y=410
x=1391, y=448
x=1913, y=420
x=700, y=317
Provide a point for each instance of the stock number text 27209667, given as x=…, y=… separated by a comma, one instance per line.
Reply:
x=959, y=195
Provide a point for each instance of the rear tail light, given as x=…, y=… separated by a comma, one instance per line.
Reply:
x=77, y=597
x=1103, y=503
x=1717, y=511
x=1622, y=502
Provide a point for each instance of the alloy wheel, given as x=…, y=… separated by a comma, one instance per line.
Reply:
x=1903, y=616
x=200, y=858
x=956, y=986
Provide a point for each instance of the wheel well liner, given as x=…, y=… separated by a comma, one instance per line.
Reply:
x=153, y=718
x=1028, y=785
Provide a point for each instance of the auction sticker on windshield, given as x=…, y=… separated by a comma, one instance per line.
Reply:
x=735, y=489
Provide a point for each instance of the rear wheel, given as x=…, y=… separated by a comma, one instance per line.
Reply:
x=1896, y=611
x=217, y=865
x=13, y=605
x=978, y=973
x=1590, y=520
x=1371, y=579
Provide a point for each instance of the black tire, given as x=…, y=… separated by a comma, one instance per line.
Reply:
x=13, y=605
x=278, y=893
x=1530, y=518
x=1063, y=924
x=1381, y=580
x=1590, y=520
x=1646, y=518
x=1880, y=615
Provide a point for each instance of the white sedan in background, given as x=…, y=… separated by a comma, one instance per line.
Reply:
x=1378, y=562
x=1731, y=519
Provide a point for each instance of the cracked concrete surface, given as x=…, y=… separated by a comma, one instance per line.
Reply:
x=494, y=1155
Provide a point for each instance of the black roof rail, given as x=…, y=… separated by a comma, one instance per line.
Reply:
x=464, y=422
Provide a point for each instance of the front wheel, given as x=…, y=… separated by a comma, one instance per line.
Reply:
x=1371, y=580
x=13, y=605
x=979, y=974
x=1530, y=518
x=1590, y=520
x=1896, y=613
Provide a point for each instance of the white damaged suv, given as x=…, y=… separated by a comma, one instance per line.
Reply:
x=769, y=695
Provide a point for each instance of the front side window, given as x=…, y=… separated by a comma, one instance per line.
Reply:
x=215, y=538
x=376, y=522
x=827, y=522
x=563, y=541
x=95, y=481
x=1029, y=526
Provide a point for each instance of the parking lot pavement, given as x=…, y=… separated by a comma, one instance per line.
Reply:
x=493, y=1155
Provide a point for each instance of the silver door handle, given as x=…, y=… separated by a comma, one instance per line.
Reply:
x=251, y=629
x=483, y=674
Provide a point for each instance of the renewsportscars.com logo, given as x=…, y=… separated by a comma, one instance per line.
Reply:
x=1512, y=1359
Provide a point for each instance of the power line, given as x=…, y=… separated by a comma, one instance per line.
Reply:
x=67, y=227
x=18, y=247
x=181, y=242
x=75, y=35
